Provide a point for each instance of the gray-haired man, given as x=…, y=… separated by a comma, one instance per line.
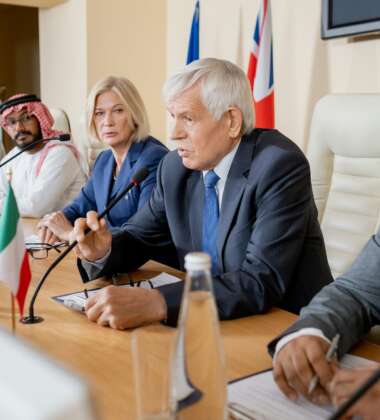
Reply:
x=239, y=193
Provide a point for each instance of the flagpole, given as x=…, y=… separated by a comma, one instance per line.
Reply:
x=13, y=314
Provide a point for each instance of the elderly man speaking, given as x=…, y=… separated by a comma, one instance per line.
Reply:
x=47, y=176
x=241, y=194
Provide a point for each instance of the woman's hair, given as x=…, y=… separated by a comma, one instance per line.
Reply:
x=124, y=88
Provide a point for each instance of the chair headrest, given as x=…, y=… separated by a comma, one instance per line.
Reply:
x=61, y=120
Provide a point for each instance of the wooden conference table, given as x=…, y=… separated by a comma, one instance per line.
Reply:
x=102, y=356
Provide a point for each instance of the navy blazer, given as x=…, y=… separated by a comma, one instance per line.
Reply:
x=270, y=246
x=96, y=194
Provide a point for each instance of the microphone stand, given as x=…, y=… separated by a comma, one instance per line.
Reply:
x=139, y=176
x=62, y=137
x=356, y=395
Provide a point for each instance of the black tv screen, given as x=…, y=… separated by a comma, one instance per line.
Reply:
x=349, y=17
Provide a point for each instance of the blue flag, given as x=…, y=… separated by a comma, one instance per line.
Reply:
x=193, y=51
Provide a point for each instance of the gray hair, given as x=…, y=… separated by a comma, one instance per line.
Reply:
x=223, y=84
x=130, y=97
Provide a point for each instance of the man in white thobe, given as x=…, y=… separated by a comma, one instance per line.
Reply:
x=47, y=176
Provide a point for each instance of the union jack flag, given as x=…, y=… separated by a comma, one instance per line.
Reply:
x=260, y=69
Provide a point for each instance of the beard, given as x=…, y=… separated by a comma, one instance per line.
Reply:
x=24, y=138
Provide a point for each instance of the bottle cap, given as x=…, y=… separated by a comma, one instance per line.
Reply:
x=195, y=261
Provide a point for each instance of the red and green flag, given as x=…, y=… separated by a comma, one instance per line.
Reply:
x=14, y=263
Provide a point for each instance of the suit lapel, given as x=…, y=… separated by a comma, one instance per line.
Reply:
x=234, y=189
x=126, y=170
x=105, y=186
x=195, y=208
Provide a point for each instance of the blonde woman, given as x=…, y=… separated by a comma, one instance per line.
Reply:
x=117, y=117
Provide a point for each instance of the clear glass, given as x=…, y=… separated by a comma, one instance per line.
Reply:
x=152, y=350
x=203, y=353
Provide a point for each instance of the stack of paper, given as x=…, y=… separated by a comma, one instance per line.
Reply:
x=260, y=394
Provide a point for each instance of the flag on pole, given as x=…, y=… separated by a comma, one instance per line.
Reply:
x=260, y=69
x=14, y=263
x=193, y=50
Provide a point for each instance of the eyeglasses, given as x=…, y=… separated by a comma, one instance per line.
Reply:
x=40, y=251
x=24, y=119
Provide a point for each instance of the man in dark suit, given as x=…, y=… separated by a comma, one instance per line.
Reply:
x=241, y=194
x=349, y=306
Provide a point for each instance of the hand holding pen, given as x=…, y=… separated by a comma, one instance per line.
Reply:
x=297, y=362
x=331, y=352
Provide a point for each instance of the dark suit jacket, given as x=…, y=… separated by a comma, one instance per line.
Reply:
x=350, y=305
x=96, y=194
x=270, y=246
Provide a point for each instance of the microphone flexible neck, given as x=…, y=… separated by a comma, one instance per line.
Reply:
x=30, y=146
x=139, y=176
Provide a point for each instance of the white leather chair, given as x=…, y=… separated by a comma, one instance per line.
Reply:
x=61, y=120
x=344, y=155
x=88, y=149
x=93, y=151
x=62, y=123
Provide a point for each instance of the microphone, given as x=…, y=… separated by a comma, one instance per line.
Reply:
x=356, y=395
x=63, y=137
x=137, y=178
x=60, y=137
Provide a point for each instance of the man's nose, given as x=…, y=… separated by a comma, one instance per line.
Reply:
x=18, y=124
x=177, y=132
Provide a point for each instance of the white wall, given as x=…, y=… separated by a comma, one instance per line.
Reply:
x=82, y=41
x=63, y=61
x=305, y=67
x=128, y=38
x=80, y=44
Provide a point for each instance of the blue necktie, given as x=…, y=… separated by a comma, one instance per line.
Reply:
x=210, y=218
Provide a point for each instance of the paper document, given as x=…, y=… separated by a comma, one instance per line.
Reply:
x=260, y=394
x=77, y=300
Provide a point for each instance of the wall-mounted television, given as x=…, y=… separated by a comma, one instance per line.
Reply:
x=349, y=17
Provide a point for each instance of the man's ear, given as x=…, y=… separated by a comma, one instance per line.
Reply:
x=235, y=121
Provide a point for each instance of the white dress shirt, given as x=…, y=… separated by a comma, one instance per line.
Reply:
x=316, y=332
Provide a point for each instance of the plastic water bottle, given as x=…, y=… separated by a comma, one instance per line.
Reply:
x=202, y=348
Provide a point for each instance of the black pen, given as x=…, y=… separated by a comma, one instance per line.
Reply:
x=85, y=293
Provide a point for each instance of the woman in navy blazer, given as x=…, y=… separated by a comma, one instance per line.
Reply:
x=117, y=117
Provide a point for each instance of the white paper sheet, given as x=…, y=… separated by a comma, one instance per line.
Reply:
x=79, y=298
x=260, y=394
